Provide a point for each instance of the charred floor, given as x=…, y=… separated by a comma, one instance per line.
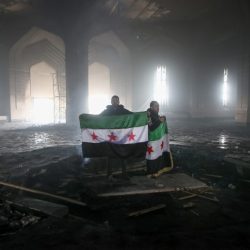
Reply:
x=49, y=159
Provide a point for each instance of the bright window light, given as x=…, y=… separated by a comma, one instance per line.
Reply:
x=225, y=88
x=43, y=110
x=161, y=88
x=97, y=103
x=99, y=88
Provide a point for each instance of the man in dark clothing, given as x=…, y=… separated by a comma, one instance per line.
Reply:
x=153, y=115
x=115, y=108
x=154, y=120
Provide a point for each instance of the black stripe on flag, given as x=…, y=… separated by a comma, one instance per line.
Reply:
x=111, y=150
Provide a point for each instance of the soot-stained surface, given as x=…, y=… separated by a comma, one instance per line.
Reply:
x=216, y=217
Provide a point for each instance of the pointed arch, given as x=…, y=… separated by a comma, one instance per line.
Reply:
x=99, y=87
x=108, y=49
x=36, y=46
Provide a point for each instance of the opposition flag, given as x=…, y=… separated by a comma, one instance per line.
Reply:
x=118, y=136
x=158, y=155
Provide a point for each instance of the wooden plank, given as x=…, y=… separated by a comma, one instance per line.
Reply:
x=146, y=210
x=194, y=195
x=29, y=190
x=213, y=175
x=135, y=192
x=39, y=207
x=45, y=207
x=145, y=191
x=114, y=8
x=203, y=196
x=187, y=197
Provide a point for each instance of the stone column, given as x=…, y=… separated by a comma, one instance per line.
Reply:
x=243, y=91
x=4, y=83
x=76, y=78
x=193, y=81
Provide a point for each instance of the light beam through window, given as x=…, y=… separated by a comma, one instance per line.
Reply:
x=161, y=88
x=225, y=89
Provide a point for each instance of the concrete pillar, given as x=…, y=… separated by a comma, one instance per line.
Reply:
x=243, y=92
x=193, y=81
x=76, y=78
x=4, y=83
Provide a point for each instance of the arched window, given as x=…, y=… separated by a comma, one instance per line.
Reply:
x=225, y=88
x=42, y=106
x=99, y=87
x=161, y=86
x=37, y=65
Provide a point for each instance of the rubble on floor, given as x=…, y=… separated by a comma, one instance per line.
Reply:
x=13, y=220
x=214, y=215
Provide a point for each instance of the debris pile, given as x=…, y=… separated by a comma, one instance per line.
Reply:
x=12, y=220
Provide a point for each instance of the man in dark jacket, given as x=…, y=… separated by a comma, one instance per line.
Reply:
x=153, y=115
x=154, y=120
x=115, y=108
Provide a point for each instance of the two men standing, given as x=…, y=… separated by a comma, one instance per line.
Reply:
x=154, y=121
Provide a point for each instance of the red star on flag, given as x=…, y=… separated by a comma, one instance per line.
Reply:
x=112, y=137
x=150, y=150
x=94, y=136
x=131, y=137
x=162, y=144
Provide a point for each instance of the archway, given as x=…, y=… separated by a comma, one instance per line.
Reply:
x=109, y=55
x=37, y=50
x=42, y=97
x=99, y=87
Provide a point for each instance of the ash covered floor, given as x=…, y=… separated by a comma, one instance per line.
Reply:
x=49, y=159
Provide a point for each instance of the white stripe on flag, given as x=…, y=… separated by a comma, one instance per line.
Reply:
x=156, y=148
x=117, y=136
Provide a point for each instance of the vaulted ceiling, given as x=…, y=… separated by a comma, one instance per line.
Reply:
x=131, y=9
x=160, y=9
x=212, y=21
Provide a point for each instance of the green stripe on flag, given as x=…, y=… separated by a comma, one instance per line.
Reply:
x=158, y=133
x=136, y=119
